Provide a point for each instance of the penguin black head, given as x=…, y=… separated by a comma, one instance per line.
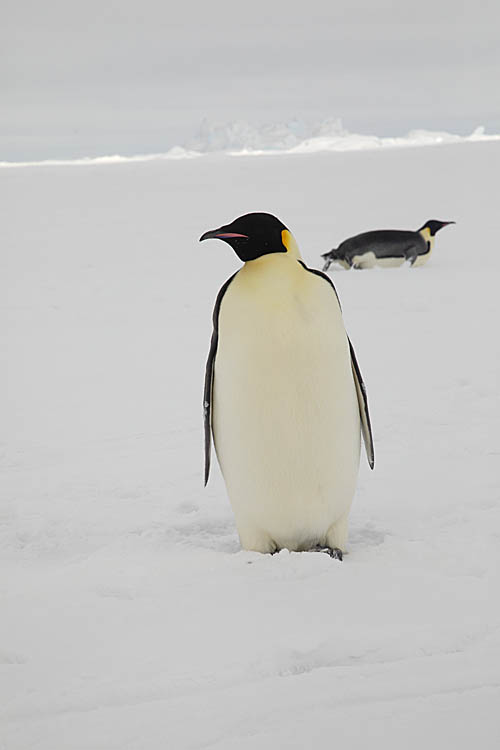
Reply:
x=254, y=235
x=434, y=226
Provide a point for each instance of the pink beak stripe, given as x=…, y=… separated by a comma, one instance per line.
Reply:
x=228, y=235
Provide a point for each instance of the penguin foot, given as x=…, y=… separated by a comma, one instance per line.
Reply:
x=334, y=552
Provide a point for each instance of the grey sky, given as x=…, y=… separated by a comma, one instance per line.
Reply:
x=91, y=78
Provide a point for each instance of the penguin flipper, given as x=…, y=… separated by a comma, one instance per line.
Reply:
x=411, y=254
x=209, y=376
x=366, y=427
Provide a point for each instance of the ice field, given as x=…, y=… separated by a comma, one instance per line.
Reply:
x=130, y=617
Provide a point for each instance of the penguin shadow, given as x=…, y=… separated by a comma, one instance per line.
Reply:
x=365, y=535
x=200, y=528
x=220, y=534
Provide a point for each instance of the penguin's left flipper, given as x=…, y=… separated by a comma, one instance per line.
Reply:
x=209, y=376
x=366, y=427
x=411, y=254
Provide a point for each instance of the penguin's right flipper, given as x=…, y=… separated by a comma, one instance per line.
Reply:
x=366, y=427
x=209, y=376
x=411, y=254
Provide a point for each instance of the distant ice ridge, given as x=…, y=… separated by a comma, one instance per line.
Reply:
x=177, y=152
x=238, y=136
x=241, y=138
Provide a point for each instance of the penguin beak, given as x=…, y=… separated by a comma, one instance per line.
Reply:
x=221, y=234
x=443, y=224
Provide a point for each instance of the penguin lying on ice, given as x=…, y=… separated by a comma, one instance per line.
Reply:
x=283, y=395
x=386, y=247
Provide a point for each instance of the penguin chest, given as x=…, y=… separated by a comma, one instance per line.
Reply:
x=285, y=418
x=420, y=260
x=429, y=246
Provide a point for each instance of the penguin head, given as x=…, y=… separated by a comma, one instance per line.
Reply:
x=434, y=226
x=254, y=235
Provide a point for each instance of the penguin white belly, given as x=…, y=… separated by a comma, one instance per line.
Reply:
x=365, y=260
x=343, y=263
x=390, y=262
x=285, y=412
x=421, y=259
x=370, y=260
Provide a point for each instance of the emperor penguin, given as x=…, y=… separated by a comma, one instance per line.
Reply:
x=386, y=247
x=283, y=397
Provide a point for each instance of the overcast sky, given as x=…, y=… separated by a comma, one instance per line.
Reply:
x=96, y=77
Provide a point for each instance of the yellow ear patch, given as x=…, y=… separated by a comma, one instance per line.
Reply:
x=288, y=241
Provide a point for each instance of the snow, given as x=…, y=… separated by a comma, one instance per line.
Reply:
x=242, y=138
x=299, y=137
x=130, y=616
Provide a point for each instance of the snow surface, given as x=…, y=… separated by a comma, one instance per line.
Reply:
x=130, y=616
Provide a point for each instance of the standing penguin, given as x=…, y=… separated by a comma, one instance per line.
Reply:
x=283, y=394
x=386, y=247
